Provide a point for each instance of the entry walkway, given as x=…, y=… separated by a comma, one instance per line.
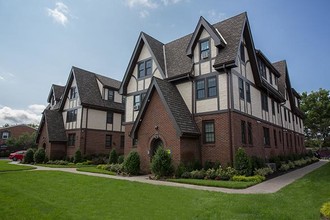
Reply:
x=269, y=186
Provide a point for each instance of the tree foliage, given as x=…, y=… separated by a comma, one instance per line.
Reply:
x=316, y=106
x=161, y=164
x=24, y=141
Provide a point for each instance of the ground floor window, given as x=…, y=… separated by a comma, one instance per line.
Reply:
x=266, y=136
x=108, y=141
x=243, y=130
x=250, y=140
x=208, y=132
x=275, y=138
x=122, y=141
x=71, y=139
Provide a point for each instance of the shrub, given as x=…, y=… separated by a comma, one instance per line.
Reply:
x=242, y=162
x=276, y=160
x=121, y=159
x=180, y=170
x=198, y=174
x=113, y=157
x=39, y=155
x=257, y=162
x=29, y=156
x=284, y=167
x=161, y=164
x=186, y=175
x=77, y=157
x=211, y=174
x=263, y=171
x=131, y=164
x=291, y=165
x=87, y=162
x=256, y=178
x=117, y=168
x=325, y=210
x=225, y=174
x=46, y=159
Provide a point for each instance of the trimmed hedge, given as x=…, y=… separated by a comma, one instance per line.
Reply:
x=131, y=164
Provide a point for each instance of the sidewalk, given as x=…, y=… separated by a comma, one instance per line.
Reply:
x=269, y=186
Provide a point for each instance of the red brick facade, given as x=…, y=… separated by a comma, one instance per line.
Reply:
x=15, y=132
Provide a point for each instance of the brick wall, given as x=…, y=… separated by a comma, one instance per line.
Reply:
x=15, y=132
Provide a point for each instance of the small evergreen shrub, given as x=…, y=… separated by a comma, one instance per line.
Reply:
x=186, y=175
x=180, y=170
x=39, y=156
x=77, y=157
x=131, y=164
x=113, y=157
x=46, y=159
x=256, y=178
x=284, y=167
x=161, y=164
x=29, y=156
x=325, y=210
x=121, y=159
x=257, y=163
x=263, y=171
x=242, y=162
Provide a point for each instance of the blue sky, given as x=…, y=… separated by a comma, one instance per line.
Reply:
x=41, y=40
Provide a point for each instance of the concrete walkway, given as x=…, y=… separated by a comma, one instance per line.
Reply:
x=269, y=186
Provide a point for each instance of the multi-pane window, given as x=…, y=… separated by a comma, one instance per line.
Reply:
x=285, y=114
x=108, y=141
x=206, y=88
x=287, y=139
x=242, y=53
x=266, y=136
x=73, y=92
x=243, y=134
x=109, y=117
x=275, y=138
x=122, y=141
x=273, y=107
x=5, y=135
x=71, y=139
x=208, y=132
x=249, y=126
x=289, y=117
x=276, y=80
x=270, y=77
x=262, y=69
x=123, y=118
x=248, y=92
x=71, y=115
x=145, y=68
x=110, y=95
x=205, y=49
x=138, y=100
x=280, y=136
x=241, y=88
x=264, y=102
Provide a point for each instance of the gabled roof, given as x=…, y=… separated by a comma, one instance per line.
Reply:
x=53, y=121
x=57, y=91
x=215, y=35
x=88, y=89
x=175, y=106
x=156, y=49
x=268, y=63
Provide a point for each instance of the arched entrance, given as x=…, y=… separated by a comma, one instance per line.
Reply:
x=155, y=144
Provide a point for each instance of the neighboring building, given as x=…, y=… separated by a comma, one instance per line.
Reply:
x=14, y=132
x=206, y=94
x=85, y=114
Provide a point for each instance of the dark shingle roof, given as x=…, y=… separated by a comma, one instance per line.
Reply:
x=157, y=49
x=58, y=91
x=55, y=126
x=281, y=68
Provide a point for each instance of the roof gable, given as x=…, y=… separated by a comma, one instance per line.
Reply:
x=57, y=91
x=174, y=105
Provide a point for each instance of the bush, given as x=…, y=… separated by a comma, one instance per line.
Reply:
x=198, y=174
x=276, y=160
x=29, y=156
x=325, y=210
x=39, y=155
x=242, y=162
x=210, y=165
x=161, y=164
x=131, y=164
x=263, y=171
x=113, y=157
x=186, y=175
x=121, y=159
x=225, y=174
x=211, y=174
x=257, y=163
x=58, y=162
x=180, y=170
x=291, y=165
x=284, y=167
x=256, y=178
x=77, y=157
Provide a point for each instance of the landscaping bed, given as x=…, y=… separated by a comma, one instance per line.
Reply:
x=215, y=183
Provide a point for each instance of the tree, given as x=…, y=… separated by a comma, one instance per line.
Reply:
x=316, y=106
x=161, y=164
x=24, y=141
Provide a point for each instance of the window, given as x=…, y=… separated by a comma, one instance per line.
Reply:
x=262, y=69
x=264, y=102
x=138, y=100
x=275, y=138
x=266, y=136
x=5, y=135
x=273, y=107
x=248, y=92
x=287, y=140
x=276, y=80
x=289, y=117
x=110, y=95
x=299, y=122
x=280, y=135
x=278, y=108
x=205, y=49
x=208, y=131
x=241, y=88
x=108, y=141
x=109, y=117
x=71, y=139
x=209, y=83
x=122, y=141
x=211, y=87
x=285, y=114
x=250, y=140
x=243, y=129
x=270, y=77
x=290, y=140
x=71, y=115
x=123, y=118
x=242, y=52
x=145, y=68
x=200, y=89
x=73, y=92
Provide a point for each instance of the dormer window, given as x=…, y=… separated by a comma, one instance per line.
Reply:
x=262, y=69
x=110, y=95
x=205, y=49
x=145, y=68
x=73, y=92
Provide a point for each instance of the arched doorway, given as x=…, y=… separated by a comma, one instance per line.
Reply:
x=155, y=144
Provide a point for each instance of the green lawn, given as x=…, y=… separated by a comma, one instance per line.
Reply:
x=5, y=166
x=216, y=183
x=60, y=195
x=95, y=170
x=64, y=166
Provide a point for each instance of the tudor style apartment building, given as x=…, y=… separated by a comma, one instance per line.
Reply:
x=206, y=94
x=86, y=114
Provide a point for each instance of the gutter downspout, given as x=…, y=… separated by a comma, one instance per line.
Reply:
x=281, y=105
x=85, y=141
x=229, y=105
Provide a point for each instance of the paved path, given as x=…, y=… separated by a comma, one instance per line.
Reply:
x=269, y=186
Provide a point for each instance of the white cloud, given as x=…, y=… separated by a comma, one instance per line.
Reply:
x=213, y=16
x=141, y=3
x=60, y=13
x=17, y=116
x=169, y=2
x=144, y=13
x=2, y=78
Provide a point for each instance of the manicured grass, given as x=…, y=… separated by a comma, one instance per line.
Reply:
x=95, y=170
x=5, y=166
x=64, y=166
x=216, y=183
x=60, y=195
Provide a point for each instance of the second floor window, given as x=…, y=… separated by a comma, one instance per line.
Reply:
x=145, y=68
x=138, y=101
x=248, y=92
x=110, y=95
x=241, y=88
x=73, y=92
x=206, y=88
x=109, y=117
x=273, y=107
x=71, y=139
x=204, y=49
x=208, y=132
x=264, y=102
x=262, y=69
x=71, y=115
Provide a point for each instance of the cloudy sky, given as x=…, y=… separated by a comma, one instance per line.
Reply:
x=41, y=40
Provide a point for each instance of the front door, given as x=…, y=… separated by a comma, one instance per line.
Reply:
x=155, y=144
